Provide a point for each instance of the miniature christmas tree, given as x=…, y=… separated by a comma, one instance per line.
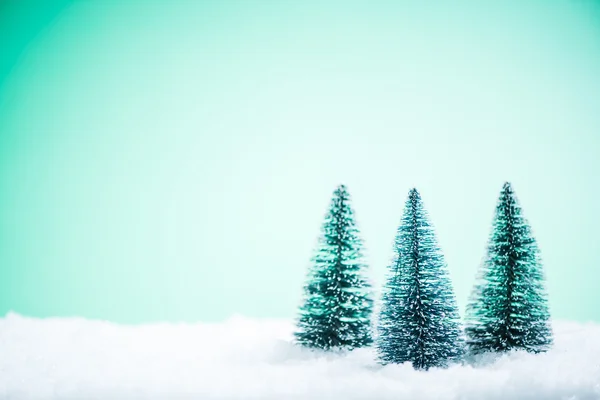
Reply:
x=509, y=308
x=337, y=308
x=419, y=321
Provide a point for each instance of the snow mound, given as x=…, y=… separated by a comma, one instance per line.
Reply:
x=241, y=358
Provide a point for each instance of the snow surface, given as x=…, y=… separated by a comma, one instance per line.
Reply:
x=73, y=358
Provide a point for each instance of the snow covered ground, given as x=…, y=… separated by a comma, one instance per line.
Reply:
x=243, y=358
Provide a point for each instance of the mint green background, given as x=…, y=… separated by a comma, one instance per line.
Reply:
x=172, y=160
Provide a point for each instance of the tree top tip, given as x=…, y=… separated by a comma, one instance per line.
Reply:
x=414, y=193
x=341, y=190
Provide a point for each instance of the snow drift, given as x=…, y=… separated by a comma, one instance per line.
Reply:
x=72, y=358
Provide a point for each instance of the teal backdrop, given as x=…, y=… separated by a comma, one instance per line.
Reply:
x=173, y=160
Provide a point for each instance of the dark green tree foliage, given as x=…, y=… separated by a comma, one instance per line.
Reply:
x=419, y=320
x=337, y=308
x=508, y=309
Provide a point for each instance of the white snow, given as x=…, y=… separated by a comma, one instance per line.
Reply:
x=72, y=358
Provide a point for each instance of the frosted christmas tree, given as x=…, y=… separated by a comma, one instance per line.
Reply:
x=338, y=304
x=509, y=308
x=419, y=321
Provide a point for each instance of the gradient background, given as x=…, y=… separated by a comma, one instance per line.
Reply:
x=173, y=160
